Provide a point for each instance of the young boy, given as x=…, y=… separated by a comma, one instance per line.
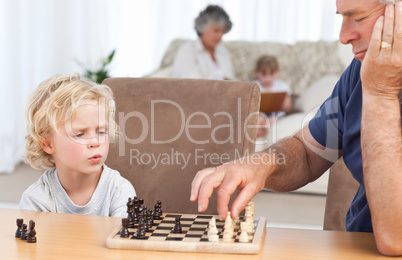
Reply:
x=70, y=121
x=267, y=72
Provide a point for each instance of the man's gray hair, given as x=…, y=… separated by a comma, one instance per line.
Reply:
x=213, y=14
x=388, y=2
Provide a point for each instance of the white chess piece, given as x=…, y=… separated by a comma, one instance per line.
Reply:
x=228, y=220
x=212, y=231
x=243, y=235
x=252, y=205
x=249, y=220
x=228, y=229
x=226, y=236
x=229, y=225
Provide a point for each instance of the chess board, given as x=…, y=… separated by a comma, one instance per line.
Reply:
x=194, y=236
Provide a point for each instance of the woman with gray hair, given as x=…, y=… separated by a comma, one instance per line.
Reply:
x=205, y=57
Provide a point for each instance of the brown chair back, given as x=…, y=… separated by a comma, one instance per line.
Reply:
x=342, y=188
x=172, y=128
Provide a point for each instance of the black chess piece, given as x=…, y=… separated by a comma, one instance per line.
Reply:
x=24, y=235
x=20, y=221
x=135, y=214
x=160, y=207
x=140, y=201
x=124, y=230
x=150, y=219
x=157, y=215
x=130, y=213
x=144, y=215
x=177, y=225
x=31, y=232
x=135, y=200
x=141, y=229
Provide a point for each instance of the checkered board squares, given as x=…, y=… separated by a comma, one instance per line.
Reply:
x=194, y=236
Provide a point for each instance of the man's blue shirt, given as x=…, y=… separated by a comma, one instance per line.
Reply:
x=337, y=126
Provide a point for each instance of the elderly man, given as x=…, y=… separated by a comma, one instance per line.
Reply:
x=361, y=121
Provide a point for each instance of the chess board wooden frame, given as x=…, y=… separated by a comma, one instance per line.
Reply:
x=194, y=241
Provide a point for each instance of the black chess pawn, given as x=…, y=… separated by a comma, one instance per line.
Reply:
x=124, y=230
x=160, y=207
x=129, y=203
x=31, y=232
x=157, y=215
x=177, y=225
x=24, y=235
x=141, y=229
x=20, y=221
x=144, y=215
x=140, y=201
x=150, y=218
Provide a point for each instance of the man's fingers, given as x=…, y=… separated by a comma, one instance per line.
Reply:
x=207, y=186
x=196, y=184
x=244, y=197
x=388, y=29
x=228, y=187
x=376, y=38
x=397, y=45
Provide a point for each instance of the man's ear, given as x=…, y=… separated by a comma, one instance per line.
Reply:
x=47, y=145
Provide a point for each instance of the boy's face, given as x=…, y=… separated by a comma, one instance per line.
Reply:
x=82, y=145
x=267, y=79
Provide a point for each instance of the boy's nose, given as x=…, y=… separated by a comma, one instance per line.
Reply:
x=93, y=143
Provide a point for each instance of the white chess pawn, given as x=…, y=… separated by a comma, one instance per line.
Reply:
x=226, y=236
x=243, y=235
x=228, y=229
x=229, y=225
x=212, y=231
x=228, y=220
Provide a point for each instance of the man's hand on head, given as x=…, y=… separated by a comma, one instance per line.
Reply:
x=381, y=71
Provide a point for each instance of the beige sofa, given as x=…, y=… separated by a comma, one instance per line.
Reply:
x=310, y=68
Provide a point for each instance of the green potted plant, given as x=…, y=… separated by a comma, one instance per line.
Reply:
x=101, y=72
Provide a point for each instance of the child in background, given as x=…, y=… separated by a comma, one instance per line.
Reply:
x=267, y=72
x=70, y=121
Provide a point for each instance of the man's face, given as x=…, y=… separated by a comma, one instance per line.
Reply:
x=359, y=17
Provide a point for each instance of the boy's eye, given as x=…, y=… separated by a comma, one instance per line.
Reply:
x=79, y=135
x=103, y=132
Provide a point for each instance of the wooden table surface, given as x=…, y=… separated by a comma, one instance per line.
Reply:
x=72, y=237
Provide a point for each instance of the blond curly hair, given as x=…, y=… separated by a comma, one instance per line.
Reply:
x=53, y=104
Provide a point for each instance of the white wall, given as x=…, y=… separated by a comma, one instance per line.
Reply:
x=45, y=37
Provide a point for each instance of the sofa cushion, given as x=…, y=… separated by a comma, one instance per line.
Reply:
x=316, y=94
x=301, y=63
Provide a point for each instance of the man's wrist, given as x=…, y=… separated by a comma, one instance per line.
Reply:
x=378, y=96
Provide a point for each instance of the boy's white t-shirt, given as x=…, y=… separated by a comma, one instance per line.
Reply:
x=109, y=198
x=278, y=86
